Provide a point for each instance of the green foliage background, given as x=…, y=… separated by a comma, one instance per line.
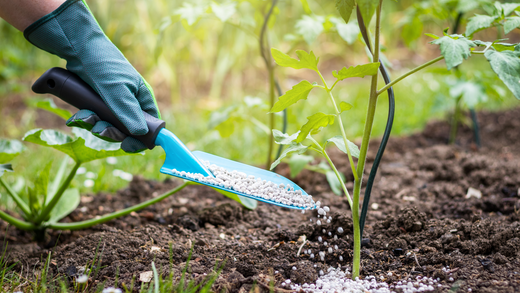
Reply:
x=202, y=59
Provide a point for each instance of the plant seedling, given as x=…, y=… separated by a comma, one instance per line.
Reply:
x=455, y=48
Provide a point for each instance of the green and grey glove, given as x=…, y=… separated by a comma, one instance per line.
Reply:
x=72, y=33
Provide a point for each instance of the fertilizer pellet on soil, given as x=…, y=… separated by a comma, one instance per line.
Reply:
x=338, y=281
x=248, y=184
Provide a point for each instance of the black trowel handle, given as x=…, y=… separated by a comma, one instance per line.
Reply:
x=72, y=89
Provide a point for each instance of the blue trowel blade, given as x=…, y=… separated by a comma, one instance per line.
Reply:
x=180, y=158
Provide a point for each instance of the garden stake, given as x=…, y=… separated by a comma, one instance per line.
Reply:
x=180, y=161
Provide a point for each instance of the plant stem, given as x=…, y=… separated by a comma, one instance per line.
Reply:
x=15, y=222
x=324, y=153
x=21, y=204
x=364, y=150
x=266, y=55
x=108, y=217
x=383, y=89
x=48, y=208
x=343, y=134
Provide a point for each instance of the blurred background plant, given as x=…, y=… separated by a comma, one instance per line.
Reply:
x=204, y=62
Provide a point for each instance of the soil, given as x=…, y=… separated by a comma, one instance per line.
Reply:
x=421, y=223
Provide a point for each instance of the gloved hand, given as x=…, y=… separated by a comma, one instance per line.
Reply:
x=72, y=33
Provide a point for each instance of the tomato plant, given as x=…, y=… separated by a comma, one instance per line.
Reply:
x=455, y=48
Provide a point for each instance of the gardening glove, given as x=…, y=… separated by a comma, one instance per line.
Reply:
x=72, y=33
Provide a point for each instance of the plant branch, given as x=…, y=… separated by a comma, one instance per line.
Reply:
x=383, y=89
x=16, y=222
x=21, y=204
x=266, y=55
x=324, y=153
x=343, y=134
x=124, y=212
x=365, y=142
x=48, y=208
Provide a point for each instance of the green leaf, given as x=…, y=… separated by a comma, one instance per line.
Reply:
x=506, y=8
x=348, y=31
x=412, y=31
x=345, y=8
x=314, y=125
x=465, y=6
x=367, y=8
x=344, y=106
x=85, y=148
x=49, y=105
x=504, y=47
x=293, y=147
x=454, y=49
x=223, y=11
x=41, y=183
x=190, y=12
x=479, y=22
x=338, y=141
x=68, y=202
x=9, y=149
x=334, y=183
x=357, y=71
x=298, y=92
x=310, y=27
x=284, y=138
x=5, y=168
x=298, y=162
x=506, y=65
x=306, y=7
x=306, y=60
x=511, y=23
x=471, y=93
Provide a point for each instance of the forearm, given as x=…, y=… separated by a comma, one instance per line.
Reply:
x=22, y=13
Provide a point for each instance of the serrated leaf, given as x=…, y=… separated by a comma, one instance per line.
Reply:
x=5, y=168
x=68, y=202
x=367, y=8
x=454, y=50
x=338, y=141
x=506, y=8
x=49, y=105
x=190, y=12
x=293, y=147
x=344, y=106
x=479, y=22
x=345, y=8
x=298, y=92
x=9, y=149
x=334, y=183
x=85, y=148
x=357, y=71
x=506, y=65
x=314, y=125
x=283, y=138
x=306, y=60
x=223, y=11
x=310, y=27
x=511, y=23
x=471, y=93
x=298, y=162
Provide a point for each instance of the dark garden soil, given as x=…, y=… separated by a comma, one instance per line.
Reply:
x=420, y=223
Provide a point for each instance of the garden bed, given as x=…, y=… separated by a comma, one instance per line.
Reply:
x=420, y=223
